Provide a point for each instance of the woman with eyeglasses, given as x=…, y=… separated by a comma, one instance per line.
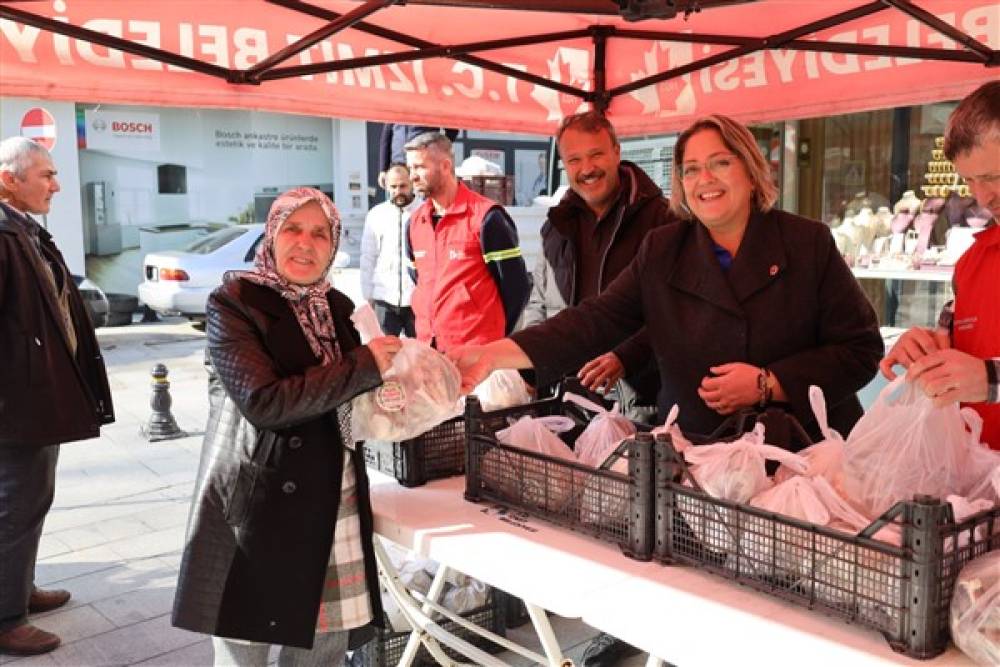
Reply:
x=745, y=304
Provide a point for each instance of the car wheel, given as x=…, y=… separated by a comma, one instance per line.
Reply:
x=198, y=325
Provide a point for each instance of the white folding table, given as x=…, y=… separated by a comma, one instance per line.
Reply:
x=677, y=614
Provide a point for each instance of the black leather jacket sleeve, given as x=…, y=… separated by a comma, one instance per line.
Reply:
x=266, y=396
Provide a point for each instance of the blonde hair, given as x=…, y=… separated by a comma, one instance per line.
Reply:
x=742, y=144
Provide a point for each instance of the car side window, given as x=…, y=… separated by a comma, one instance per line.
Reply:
x=252, y=252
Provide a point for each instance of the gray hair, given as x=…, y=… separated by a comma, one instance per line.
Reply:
x=18, y=153
x=432, y=141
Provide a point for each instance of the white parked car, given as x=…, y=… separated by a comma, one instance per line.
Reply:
x=178, y=282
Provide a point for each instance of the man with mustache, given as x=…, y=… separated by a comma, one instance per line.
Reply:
x=588, y=238
x=471, y=283
x=385, y=282
x=960, y=360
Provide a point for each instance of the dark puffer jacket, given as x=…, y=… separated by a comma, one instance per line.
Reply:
x=268, y=490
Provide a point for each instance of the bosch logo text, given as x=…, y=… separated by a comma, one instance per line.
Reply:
x=131, y=127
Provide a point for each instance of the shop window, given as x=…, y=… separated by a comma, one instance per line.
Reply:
x=856, y=163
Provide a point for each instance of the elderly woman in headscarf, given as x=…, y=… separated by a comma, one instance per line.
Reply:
x=279, y=545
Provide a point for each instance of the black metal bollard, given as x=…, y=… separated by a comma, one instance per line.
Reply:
x=161, y=425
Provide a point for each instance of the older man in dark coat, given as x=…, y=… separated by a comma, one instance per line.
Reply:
x=50, y=359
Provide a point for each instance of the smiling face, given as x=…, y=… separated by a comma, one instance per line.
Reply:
x=591, y=160
x=719, y=192
x=32, y=191
x=303, y=247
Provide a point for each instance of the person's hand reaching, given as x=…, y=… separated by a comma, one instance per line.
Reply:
x=474, y=362
x=384, y=349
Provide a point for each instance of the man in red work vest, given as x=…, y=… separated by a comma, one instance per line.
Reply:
x=471, y=281
x=959, y=362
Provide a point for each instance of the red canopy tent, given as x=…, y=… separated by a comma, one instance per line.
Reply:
x=495, y=64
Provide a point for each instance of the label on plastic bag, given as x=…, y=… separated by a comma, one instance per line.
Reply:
x=391, y=397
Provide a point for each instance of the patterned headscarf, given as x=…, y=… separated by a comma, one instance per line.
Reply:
x=308, y=302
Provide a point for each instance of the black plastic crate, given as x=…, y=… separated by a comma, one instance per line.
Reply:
x=386, y=649
x=606, y=504
x=515, y=612
x=435, y=454
x=904, y=591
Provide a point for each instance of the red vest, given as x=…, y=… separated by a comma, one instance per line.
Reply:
x=456, y=300
x=977, y=315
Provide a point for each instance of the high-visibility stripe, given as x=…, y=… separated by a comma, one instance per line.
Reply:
x=500, y=255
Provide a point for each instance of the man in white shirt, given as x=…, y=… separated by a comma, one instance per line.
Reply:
x=385, y=282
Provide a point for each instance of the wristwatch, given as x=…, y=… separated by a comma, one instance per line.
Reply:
x=765, y=384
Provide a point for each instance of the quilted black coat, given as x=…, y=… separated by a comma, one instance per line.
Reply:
x=789, y=302
x=265, y=504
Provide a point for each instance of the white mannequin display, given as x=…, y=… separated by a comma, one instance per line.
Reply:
x=862, y=229
x=844, y=237
x=908, y=202
x=884, y=217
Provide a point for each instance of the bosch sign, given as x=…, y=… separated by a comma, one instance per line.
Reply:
x=118, y=130
x=131, y=127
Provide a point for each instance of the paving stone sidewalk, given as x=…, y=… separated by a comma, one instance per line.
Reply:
x=115, y=532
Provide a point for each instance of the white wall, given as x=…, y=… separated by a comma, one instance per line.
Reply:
x=350, y=169
x=64, y=220
x=225, y=162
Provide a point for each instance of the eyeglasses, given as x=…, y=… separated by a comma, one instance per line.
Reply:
x=719, y=166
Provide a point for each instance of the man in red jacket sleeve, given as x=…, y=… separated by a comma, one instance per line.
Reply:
x=960, y=360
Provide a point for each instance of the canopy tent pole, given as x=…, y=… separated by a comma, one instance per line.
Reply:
x=341, y=23
x=772, y=42
x=601, y=99
x=987, y=55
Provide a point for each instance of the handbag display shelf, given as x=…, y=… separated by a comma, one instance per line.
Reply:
x=903, y=591
x=435, y=454
x=609, y=505
x=386, y=648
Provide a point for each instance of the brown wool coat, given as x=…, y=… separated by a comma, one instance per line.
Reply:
x=38, y=372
